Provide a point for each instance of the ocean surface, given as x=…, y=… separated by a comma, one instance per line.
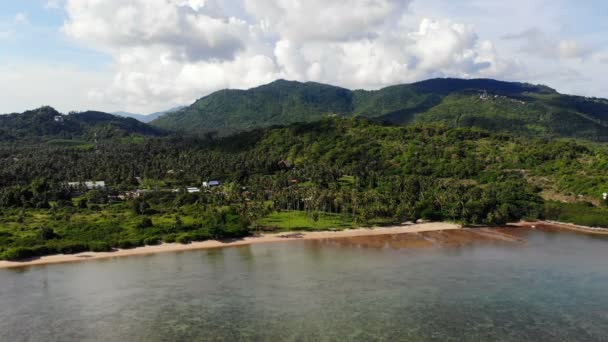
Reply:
x=554, y=287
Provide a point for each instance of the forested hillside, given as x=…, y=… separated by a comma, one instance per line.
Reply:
x=46, y=123
x=497, y=106
x=332, y=173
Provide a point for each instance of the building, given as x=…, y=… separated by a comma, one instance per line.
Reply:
x=89, y=185
x=211, y=184
x=133, y=194
x=192, y=190
x=58, y=118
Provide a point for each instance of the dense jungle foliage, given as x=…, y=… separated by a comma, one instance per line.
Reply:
x=333, y=173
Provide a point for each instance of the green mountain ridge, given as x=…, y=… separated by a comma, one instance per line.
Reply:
x=47, y=123
x=489, y=104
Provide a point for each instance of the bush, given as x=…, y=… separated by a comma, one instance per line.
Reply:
x=152, y=241
x=431, y=215
x=129, y=244
x=19, y=253
x=73, y=248
x=47, y=233
x=184, y=239
x=200, y=235
x=169, y=239
x=146, y=222
x=99, y=246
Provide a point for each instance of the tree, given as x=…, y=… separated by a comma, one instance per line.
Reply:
x=47, y=233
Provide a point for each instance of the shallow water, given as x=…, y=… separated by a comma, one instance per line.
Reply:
x=554, y=287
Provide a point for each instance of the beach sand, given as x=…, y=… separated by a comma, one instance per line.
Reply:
x=264, y=238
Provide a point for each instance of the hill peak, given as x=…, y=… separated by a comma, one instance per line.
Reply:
x=513, y=107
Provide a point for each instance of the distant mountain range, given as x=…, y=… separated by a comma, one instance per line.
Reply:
x=147, y=117
x=46, y=123
x=509, y=107
x=497, y=106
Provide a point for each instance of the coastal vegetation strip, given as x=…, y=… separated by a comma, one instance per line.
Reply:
x=261, y=238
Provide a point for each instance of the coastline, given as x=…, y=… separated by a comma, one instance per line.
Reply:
x=567, y=226
x=264, y=238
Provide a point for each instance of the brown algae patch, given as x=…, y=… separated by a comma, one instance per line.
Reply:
x=441, y=238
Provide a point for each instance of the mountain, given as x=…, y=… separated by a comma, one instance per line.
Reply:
x=490, y=104
x=146, y=118
x=47, y=123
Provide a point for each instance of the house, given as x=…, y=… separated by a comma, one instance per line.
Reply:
x=192, y=190
x=133, y=194
x=58, y=118
x=89, y=185
x=211, y=184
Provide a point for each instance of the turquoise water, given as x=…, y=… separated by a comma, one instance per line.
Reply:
x=553, y=288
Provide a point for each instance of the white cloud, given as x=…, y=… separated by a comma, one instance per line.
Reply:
x=332, y=20
x=169, y=52
x=536, y=42
x=21, y=18
x=27, y=86
x=180, y=26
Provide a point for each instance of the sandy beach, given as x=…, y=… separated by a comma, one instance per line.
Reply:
x=264, y=238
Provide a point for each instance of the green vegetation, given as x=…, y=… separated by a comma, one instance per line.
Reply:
x=299, y=220
x=582, y=213
x=520, y=108
x=332, y=174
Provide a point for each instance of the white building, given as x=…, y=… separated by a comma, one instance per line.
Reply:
x=89, y=185
x=192, y=190
x=211, y=184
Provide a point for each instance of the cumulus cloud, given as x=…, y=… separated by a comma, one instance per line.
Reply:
x=179, y=25
x=325, y=20
x=169, y=52
x=536, y=42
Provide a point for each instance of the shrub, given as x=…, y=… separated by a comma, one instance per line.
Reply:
x=169, y=239
x=184, y=239
x=99, y=246
x=146, y=222
x=200, y=235
x=152, y=241
x=129, y=244
x=21, y=253
x=18, y=253
x=47, y=233
x=73, y=248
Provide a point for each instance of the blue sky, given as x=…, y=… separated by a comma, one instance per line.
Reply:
x=149, y=55
x=38, y=39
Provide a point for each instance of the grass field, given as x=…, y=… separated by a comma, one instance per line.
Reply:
x=299, y=220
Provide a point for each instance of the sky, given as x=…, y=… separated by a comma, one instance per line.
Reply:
x=144, y=56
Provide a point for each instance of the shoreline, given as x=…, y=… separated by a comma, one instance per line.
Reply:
x=567, y=226
x=209, y=244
